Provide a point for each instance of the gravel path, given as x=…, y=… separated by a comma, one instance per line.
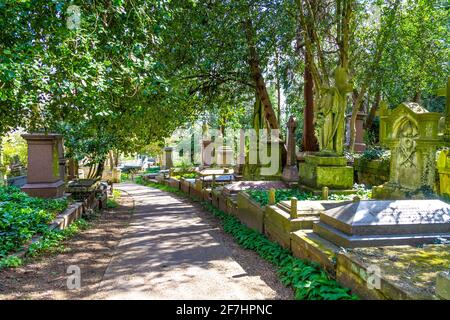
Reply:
x=172, y=249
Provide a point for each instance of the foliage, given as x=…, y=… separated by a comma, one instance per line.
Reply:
x=10, y=262
x=13, y=144
x=152, y=170
x=308, y=280
x=262, y=196
x=112, y=201
x=22, y=216
x=51, y=240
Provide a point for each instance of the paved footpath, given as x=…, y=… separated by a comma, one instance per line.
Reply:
x=170, y=252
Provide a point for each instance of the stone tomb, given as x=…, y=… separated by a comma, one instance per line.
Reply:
x=382, y=223
x=279, y=222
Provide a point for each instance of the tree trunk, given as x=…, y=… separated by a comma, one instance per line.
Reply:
x=373, y=111
x=100, y=167
x=257, y=76
x=309, y=137
x=277, y=71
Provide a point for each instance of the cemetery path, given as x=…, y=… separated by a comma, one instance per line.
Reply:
x=172, y=249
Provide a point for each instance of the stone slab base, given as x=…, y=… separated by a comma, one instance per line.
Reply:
x=305, y=244
x=332, y=172
x=390, y=192
x=45, y=190
x=354, y=241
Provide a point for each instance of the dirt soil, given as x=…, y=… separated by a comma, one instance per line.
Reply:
x=45, y=277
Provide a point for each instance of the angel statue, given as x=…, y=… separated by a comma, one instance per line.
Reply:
x=329, y=114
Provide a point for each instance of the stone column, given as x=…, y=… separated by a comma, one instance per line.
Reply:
x=167, y=159
x=44, y=165
x=290, y=171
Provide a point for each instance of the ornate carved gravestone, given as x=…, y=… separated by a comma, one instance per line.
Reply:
x=329, y=167
x=290, y=171
x=45, y=165
x=411, y=132
x=381, y=223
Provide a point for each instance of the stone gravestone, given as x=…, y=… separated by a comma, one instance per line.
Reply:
x=45, y=156
x=360, y=146
x=329, y=167
x=167, y=158
x=443, y=166
x=381, y=223
x=290, y=171
x=411, y=132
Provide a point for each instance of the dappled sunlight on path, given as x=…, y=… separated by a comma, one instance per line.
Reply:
x=170, y=252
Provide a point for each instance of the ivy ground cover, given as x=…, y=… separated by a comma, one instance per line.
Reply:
x=22, y=216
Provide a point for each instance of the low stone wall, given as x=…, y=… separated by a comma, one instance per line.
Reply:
x=249, y=212
x=174, y=183
x=371, y=173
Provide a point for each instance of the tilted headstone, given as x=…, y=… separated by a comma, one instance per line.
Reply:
x=412, y=134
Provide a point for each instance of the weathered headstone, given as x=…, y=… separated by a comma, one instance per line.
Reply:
x=380, y=223
x=329, y=167
x=290, y=170
x=412, y=134
x=45, y=156
x=167, y=158
x=360, y=146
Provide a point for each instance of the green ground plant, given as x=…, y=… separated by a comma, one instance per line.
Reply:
x=308, y=279
x=112, y=203
x=22, y=216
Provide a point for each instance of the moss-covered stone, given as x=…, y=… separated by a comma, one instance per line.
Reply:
x=318, y=172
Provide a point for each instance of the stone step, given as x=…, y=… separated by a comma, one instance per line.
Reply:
x=354, y=241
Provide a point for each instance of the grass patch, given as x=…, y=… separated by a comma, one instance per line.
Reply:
x=112, y=203
x=308, y=279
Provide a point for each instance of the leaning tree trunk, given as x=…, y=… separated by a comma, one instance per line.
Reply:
x=309, y=137
x=256, y=73
x=373, y=111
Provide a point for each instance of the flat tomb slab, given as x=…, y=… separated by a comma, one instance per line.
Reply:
x=381, y=223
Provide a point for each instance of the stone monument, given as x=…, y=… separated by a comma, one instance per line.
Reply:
x=360, y=146
x=382, y=223
x=290, y=171
x=167, y=158
x=45, y=177
x=411, y=132
x=328, y=168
